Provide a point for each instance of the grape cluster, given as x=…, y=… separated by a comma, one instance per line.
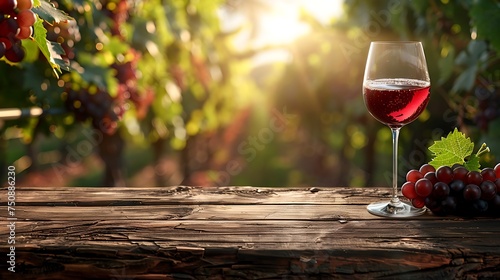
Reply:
x=488, y=97
x=16, y=24
x=118, y=12
x=126, y=74
x=95, y=104
x=454, y=190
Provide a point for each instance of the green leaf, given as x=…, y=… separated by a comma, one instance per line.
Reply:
x=453, y=149
x=40, y=37
x=484, y=15
x=473, y=163
x=474, y=61
x=32, y=51
x=465, y=81
x=50, y=14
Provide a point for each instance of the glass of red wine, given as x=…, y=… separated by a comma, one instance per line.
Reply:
x=396, y=90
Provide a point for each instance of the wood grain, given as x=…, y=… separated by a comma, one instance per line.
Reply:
x=239, y=233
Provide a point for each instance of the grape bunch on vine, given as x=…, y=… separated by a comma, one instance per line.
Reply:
x=16, y=24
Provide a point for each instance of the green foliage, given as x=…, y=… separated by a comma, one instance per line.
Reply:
x=452, y=149
x=484, y=15
x=49, y=13
x=473, y=60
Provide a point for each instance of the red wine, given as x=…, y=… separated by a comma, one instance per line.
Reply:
x=396, y=102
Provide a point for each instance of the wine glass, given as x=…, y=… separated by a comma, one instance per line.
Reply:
x=396, y=90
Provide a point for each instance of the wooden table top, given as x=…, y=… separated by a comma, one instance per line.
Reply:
x=236, y=233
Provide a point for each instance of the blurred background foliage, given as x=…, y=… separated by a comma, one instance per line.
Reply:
x=242, y=92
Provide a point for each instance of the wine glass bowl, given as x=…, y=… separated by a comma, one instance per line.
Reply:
x=396, y=90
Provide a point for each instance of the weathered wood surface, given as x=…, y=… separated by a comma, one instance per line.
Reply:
x=238, y=233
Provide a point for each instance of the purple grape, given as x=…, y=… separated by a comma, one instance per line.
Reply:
x=440, y=190
x=16, y=53
x=472, y=192
x=449, y=205
x=433, y=205
x=480, y=206
x=457, y=186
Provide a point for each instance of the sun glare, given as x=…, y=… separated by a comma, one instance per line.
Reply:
x=283, y=25
x=280, y=24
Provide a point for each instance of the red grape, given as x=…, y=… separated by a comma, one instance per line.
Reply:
x=15, y=54
x=488, y=174
x=474, y=177
x=488, y=190
x=24, y=32
x=6, y=42
x=472, y=192
x=26, y=18
x=423, y=187
x=413, y=176
x=424, y=169
x=444, y=174
x=7, y=6
x=2, y=49
x=497, y=170
x=408, y=190
x=460, y=173
x=431, y=176
x=9, y=26
x=24, y=4
x=440, y=190
x=418, y=202
x=497, y=183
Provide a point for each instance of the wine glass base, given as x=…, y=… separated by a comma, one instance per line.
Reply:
x=400, y=210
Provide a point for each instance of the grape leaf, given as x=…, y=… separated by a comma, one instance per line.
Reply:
x=45, y=46
x=50, y=14
x=454, y=149
x=473, y=163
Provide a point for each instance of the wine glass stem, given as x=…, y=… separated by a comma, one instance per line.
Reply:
x=395, y=138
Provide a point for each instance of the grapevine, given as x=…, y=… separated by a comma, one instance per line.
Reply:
x=94, y=104
x=16, y=23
